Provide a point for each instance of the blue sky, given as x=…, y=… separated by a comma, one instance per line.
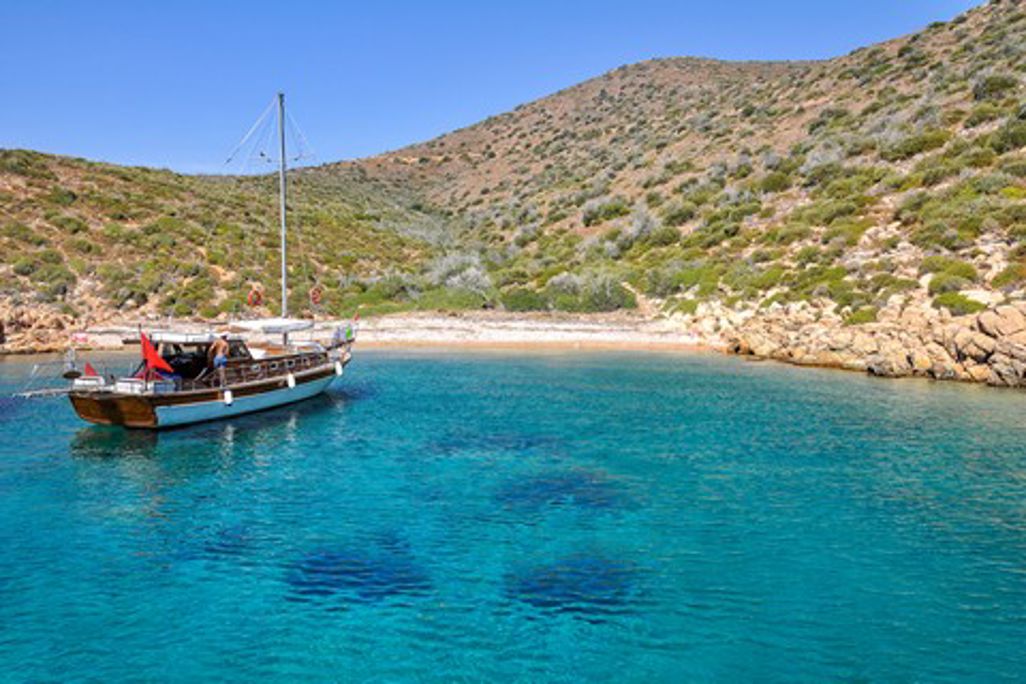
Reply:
x=176, y=84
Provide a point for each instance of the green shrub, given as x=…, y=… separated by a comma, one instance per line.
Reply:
x=1011, y=276
x=866, y=314
x=958, y=304
x=948, y=266
x=62, y=196
x=825, y=212
x=786, y=234
x=995, y=87
x=25, y=163
x=848, y=231
x=663, y=237
x=885, y=284
x=983, y=113
x=25, y=266
x=679, y=213
x=523, y=299
x=688, y=307
x=604, y=211
x=1010, y=137
x=450, y=299
x=69, y=224
x=916, y=144
x=776, y=181
x=1015, y=167
x=945, y=282
x=22, y=233
x=807, y=255
x=768, y=278
x=704, y=275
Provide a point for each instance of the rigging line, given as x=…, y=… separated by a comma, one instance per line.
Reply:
x=301, y=139
x=263, y=145
x=248, y=134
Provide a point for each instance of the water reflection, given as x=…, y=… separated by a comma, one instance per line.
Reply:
x=102, y=441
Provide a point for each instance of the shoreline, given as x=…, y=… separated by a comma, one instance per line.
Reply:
x=909, y=339
x=475, y=330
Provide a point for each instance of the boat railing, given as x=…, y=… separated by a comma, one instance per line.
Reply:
x=240, y=371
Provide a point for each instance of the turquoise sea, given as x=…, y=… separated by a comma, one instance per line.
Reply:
x=453, y=516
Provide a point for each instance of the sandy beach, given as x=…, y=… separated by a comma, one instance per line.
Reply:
x=484, y=329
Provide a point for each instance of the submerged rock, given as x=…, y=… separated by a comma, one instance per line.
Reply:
x=589, y=585
x=458, y=442
x=574, y=487
x=357, y=574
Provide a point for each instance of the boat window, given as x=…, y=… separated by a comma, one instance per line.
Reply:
x=237, y=349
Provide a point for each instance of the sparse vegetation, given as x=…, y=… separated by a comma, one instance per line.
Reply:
x=757, y=184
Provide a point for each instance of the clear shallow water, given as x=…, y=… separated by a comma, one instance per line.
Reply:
x=534, y=517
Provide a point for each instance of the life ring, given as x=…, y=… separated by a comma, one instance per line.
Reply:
x=315, y=295
x=255, y=297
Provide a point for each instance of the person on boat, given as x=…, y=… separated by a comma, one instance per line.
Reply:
x=218, y=356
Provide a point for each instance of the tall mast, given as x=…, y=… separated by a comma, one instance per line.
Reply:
x=281, y=192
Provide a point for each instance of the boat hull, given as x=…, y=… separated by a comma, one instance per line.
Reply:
x=175, y=409
x=186, y=414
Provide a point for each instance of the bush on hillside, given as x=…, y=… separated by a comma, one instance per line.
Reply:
x=1010, y=137
x=945, y=282
x=1010, y=277
x=981, y=114
x=523, y=299
x=995, y=87
x=958, y=304
x=586, y=294
x=600, y=211
x=948, y=266
x=775, y=181
x=679, y=213
x=866, y=314
x=916, y=144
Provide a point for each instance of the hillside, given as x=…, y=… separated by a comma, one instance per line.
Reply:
x=894, y=171
x=694, y=180
x=91, y=238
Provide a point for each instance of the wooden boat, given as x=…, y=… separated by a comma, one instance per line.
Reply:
x=176, y=383
x=254, y=379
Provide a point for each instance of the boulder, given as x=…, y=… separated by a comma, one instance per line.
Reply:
x=977, y=372
x=980, y=347
x=1002, y=321
x=891, y=361
x=920, y=360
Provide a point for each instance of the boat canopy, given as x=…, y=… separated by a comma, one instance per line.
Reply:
x=274, y=325
x=170, y=337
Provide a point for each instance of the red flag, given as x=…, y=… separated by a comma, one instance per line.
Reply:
x=90, y=372
x=356, y=316
x=153, y=360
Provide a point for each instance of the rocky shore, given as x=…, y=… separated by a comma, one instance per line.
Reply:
x=908, y=339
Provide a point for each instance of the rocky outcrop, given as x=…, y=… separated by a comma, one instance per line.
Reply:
x=906, y=341
x=33, y=329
